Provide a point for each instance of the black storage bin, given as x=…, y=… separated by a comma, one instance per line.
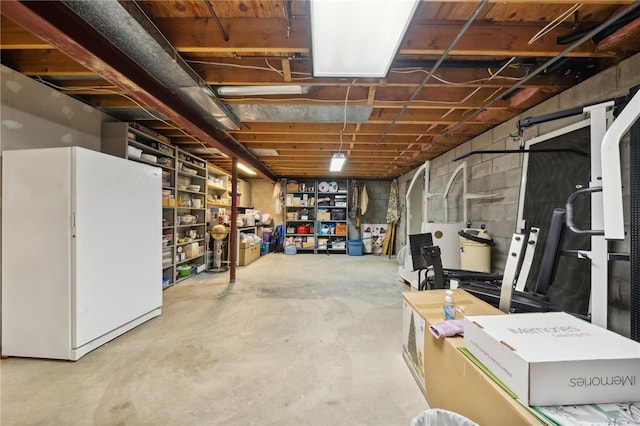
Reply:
x=338, y=214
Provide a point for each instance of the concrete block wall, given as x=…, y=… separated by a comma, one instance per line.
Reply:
x=262, y=199
x=378, y=191
x=501, y=174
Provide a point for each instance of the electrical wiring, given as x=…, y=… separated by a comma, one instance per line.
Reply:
x=492, y=94
x=144, y=108
x=556, y=21
x=271, y=67
x=344, y=121
x=249, y=67
x=442, y=80
x=492, y=74
x=224, y=64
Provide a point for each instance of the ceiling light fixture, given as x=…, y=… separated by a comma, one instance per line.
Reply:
x=357, y=38
x=337, y=162
x=286, y=89
x=265, y=152
x=246, y=169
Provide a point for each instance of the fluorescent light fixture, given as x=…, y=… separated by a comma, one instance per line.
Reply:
x=265, y=152
x=287, y=89
x=246, y=169
x=357, y=38
x=337, y=162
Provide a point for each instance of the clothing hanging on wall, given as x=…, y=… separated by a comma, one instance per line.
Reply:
x=364, y=200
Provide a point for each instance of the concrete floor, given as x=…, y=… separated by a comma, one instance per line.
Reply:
x=297, y=340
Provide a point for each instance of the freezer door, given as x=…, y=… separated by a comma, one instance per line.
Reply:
x=117, y=243
x=36, y=248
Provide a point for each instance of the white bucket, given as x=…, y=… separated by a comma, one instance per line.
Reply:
x=366, y=240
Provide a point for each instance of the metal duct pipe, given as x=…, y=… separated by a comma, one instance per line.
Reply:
x=129, y=28
x=58, y=25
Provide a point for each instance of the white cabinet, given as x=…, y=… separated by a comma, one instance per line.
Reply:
x=81, y=250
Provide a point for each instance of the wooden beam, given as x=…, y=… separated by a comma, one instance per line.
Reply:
x=286, y=70
x=47, y=62
x=269, y=36
x=14, y=36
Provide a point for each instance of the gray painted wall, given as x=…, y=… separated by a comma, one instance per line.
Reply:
x=36, y=116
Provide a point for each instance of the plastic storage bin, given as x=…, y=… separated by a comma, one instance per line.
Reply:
x=354, y=248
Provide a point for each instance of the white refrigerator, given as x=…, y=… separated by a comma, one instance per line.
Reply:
x=81, y=250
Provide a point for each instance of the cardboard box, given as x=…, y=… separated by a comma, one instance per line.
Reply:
x=554, y=358
x=413, y=338
x=324, y=215
x=248, y=254
x=450, y=380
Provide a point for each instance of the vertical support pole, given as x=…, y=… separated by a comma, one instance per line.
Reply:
x=233, y=240
x=599, y=298
x=634, y=226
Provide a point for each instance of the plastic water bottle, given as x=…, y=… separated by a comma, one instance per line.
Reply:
x=449, y=307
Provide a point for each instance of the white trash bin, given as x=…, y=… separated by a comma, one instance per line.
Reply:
x=439, y=417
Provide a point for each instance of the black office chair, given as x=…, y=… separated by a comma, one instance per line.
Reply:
x=419, y=262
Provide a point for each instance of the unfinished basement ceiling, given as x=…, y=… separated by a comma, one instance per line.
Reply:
x=428, y=103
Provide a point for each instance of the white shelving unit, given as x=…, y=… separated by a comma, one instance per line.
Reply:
x=182, y=243
x=218, y=187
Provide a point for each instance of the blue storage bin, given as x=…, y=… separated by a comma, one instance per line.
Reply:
x=264, y=248
x=354, y=247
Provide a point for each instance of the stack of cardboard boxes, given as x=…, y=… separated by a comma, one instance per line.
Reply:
x=506, y=363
